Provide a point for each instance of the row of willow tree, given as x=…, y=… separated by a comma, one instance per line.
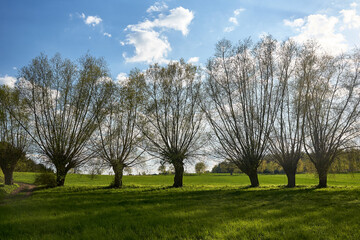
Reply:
x=271, y=98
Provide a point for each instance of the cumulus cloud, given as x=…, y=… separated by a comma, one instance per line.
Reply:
x=91, y=20
x=121, y=78
x=150, y=47
x=107, y=34
x=234, y=20
x=328, y=30
x=321, y=28
x=149, y=39
x=295, y=23
x=351, y=18
x=157, y=7
x=8, y=80
x=193, y=60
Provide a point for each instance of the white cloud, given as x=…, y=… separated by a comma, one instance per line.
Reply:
x=321, y=28
x=152, y=45
x=193, y=60
x=353, y=5
x=233, y=20
x=14, y=68
x=350, y=18
x=157, y=7
x=91, y=20
x=121, y=77
x=8, y=80
x=295, y=23
x=229, y=29
x=107, y=34
x=179, y=19
x=122, y=43
x=238, y=11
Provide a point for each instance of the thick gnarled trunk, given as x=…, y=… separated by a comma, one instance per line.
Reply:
x=118, y=175
x=291, y=179
x=254, y=180
x=60, y=176
x=179, y=172
x=290, y=172
x=322, y=179
x=8, y=175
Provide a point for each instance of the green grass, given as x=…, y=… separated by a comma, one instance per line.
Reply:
x=208, y=207
x=200, y=180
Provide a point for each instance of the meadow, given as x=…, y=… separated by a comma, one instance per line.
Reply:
x=210, y=206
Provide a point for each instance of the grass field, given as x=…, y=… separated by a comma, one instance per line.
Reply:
x=208, y=207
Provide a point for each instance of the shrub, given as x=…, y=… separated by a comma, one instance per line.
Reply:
x=46, y=179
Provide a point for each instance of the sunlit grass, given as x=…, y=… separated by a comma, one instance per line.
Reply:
x=208, y=207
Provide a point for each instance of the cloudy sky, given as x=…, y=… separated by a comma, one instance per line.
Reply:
x=134, y=33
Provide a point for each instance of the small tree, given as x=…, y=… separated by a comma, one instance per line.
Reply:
x=332, y=106
x=243, y=100
x=162, y=168
x=287, y=136
x=200, y=167
x=13, y=138
x=65, y=102
x=119, y=137
x=173, y=116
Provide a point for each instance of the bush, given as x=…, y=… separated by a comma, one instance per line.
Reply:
x=45, y=179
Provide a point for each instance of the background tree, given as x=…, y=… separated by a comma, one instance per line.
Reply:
x=162, y=168
x=65, y=101
x=225, y=167
x=200, y=167
x=118, y=136
x=13, y=138
x=242, y=101
x=332, y=108
x=173, y=117
x=286, y=138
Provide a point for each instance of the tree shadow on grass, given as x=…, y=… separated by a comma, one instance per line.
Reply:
x=168, y=213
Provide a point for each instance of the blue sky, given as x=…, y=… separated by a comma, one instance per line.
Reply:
x=133, y=33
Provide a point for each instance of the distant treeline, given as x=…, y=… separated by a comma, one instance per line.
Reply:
x=27, y=165
x=347, y=162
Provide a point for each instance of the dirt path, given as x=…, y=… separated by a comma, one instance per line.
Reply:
x=22, y=192
x=24, y=187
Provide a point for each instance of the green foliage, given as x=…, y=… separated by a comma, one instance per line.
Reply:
x=27, y=165
x=47, y=179
x=200, y=167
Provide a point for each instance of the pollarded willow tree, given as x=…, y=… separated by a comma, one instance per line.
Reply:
x=118, y=138
x=13, y=139
x=65, y=100
x=174, y=123
x=332, y=106
x=243, y=100
x=287, y=136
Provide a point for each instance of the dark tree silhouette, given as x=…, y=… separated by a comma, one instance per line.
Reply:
x=13, y=139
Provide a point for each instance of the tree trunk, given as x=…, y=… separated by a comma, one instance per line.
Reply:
x=253, y=179
x=179, y=172
x=322, y=179
x=118, y=172
x=60, y=177
x=8, y=175
x=291, y=179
